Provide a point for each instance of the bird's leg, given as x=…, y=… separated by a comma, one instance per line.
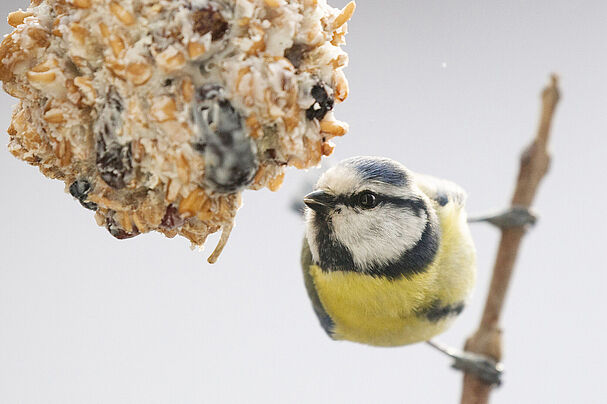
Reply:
x=515, y=216
x=481, y=366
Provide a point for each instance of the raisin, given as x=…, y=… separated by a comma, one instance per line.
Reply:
x=230, y=154
x=171, y=219
x=324, y=103
x=80, y=190
x=117, y=231
x=114, y=163
x=210, y=20
x=199, y=146
x=297, y=53
x=113, y=159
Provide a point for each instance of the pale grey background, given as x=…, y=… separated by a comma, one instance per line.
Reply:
x=85, y=318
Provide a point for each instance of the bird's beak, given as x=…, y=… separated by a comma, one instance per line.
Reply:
x=319, y=200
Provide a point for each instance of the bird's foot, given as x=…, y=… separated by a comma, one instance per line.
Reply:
x=483, y=367
x=515, y=216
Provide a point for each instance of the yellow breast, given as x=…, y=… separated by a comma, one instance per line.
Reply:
x=383, y=312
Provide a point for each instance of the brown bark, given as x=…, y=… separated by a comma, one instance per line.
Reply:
x=534, y=164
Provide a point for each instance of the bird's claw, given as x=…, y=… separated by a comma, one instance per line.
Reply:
x=481, y=366
x=515, y=216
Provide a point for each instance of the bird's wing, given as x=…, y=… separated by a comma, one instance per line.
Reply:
x=306, y=262
x=441, y=191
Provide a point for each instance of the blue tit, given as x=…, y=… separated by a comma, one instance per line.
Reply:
x=388, y=258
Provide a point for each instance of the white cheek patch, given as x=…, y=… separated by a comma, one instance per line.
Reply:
x=379, y=236
x=311, y=233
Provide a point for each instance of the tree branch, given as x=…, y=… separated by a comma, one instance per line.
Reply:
x=534, y=164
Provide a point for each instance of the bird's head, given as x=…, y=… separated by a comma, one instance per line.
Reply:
x=367, y=215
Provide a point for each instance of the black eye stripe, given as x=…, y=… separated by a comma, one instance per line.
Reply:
x=416, y=204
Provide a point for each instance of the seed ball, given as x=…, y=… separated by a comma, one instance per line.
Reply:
x=157, y=115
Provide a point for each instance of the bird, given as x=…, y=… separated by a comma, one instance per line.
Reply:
x=387, y=257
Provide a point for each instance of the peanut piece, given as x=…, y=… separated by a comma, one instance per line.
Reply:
x=170, y=59
x=85, y=86
x=16, y=18
x=193, y=203
x=195, y=50
x=187, y=89
x=327, y=148
x=117, y=45
x=41, y=77
x=345, y=15
x=45, y=66
x=105, y=31
x=163, y=109
x=56, y=30
x=122, y=14
x=333, y=128
x=276, y=182
x=138, y=73
x=82, y=3
x=54, y=115
x=341, y=86
x=183, y=169
x=272, y=3
x=79, y=32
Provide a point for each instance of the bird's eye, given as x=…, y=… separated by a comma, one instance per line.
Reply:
x=367, y=200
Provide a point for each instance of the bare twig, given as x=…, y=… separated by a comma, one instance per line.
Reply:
x=534, y=164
